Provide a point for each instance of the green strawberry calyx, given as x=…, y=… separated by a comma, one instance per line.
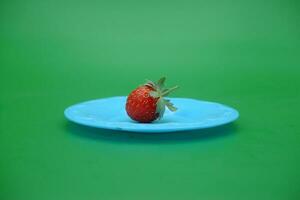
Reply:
x=160, y=92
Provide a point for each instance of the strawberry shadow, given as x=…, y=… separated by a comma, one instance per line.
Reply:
x=91, y=133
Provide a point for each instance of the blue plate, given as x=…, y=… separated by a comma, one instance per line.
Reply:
x=109, y=113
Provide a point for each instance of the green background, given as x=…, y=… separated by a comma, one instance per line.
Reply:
x=242, y=53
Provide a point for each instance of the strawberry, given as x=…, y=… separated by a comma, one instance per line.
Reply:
x=146, y=103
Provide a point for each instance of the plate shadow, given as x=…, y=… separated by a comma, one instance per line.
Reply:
x=132, y=137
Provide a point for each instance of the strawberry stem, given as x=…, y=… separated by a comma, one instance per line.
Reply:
x=159, y=92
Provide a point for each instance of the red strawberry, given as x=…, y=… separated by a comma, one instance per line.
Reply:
x=146, y=103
